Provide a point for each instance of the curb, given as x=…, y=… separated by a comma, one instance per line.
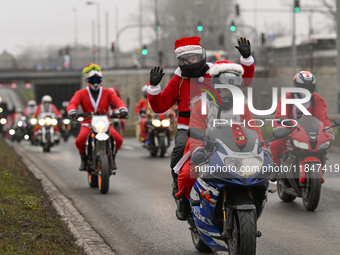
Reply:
x=86, y=237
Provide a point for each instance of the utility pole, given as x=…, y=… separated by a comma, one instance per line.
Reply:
x=156, y=30
x=141, y=24
x=93, y=40
x=338, y=47
x=293, y=41
x=107, y=39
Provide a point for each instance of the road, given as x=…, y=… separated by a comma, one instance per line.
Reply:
x=137, y=216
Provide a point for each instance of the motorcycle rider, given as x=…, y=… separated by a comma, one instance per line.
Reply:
x=221, y=73
x=31, y=108
x=94, y=98
x=46, y=106
x=316, y=106
x=191, y=72
x=141, y=110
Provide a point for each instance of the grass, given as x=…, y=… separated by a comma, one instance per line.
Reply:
x=28, y=222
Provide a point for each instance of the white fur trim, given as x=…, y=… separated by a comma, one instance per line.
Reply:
x=92, y=73
x=220, y=68
x=154, y=90
x=247, y=61
x=182, y=126
x=180, y=163
x=185, y=49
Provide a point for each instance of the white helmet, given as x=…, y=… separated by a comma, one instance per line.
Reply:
x=31, y=103
x=46, y=99
x=93, y=76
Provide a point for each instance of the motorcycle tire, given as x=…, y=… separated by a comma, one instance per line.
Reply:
x=103, y=174
x=46, y=147
x=312, y=191
x=162, y=146
x=243, y=233
x=92, y=180
x=282, y=194
x=199, y=244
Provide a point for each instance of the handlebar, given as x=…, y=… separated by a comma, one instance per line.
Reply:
x=89, y=115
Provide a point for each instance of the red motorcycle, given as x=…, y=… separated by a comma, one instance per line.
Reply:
x=303, y=162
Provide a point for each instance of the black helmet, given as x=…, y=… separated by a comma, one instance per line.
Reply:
x=192, y=69
x=306, y=80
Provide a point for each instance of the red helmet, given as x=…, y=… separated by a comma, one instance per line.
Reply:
x=306, y=80
x=116, y=91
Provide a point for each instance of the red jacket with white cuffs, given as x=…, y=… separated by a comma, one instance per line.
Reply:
x=181, y=91
x=84, y=98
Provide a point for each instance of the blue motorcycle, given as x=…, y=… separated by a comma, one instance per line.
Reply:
x=230, y=191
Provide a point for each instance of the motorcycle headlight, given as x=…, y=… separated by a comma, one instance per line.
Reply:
x=11, y=131
x=100, y=126
x=41, y=122
x=3, y=121
x=244, y=167
x=301, y=145
x=165, y=123
x=1, y=110
x=156, y=123
x=324, y=146
x=66, y=121
x=48, y=121
x=33, y=121
x=20, y=123
x=54, y=122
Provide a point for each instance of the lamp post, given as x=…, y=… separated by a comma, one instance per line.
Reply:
x=75, y=37
x=98, y=27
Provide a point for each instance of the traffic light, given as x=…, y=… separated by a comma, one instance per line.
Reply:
x=144, y=50
x=263, y=38
x=112, y=46
x=232, y=26
x=221, y=39
x=158, y=27
x=297, y=5
x=237, y=9
x=199, y=27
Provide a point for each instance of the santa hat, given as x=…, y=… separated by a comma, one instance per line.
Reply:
x=187, y=45
x=145, y=87
x=225, y=66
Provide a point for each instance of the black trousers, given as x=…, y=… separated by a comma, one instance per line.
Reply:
x=181, y=139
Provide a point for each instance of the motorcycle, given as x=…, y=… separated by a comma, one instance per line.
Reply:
x=304, y=159
x=46, y=135
x=18, y=130
x=117, y=123
x=65, y=128
x=3, y=128
x=100, y=147
x=230, y=191
x=158, y=138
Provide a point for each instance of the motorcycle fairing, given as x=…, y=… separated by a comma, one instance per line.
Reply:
x=302, y=168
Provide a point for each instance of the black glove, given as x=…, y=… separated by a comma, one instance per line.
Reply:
x=73, y=115
x=156, y=75
x=199, y=156
x=142, y=112
x=244, y=47
x=123, y=113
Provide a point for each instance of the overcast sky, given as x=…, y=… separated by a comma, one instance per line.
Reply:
x=44, y=22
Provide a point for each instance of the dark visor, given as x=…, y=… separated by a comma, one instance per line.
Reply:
x=223, y=79
x=94, y=80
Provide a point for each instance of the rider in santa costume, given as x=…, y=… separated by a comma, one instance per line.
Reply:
x=94, y=98
x=192, y=73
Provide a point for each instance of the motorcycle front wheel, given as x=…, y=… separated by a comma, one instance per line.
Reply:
x=198, y=243
x=103, y=174
x=311, y=192
x=243, y=233
x=92, y=180
x=282, y=194
x=162, y=146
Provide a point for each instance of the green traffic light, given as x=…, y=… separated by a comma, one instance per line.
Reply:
x=232, y=28
x=144, y=51
x=158, y=28
x=200, y=28
x=297, y=9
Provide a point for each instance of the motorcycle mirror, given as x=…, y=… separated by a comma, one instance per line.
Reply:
x=337, y=122
x=196, y=133
x=281, y=133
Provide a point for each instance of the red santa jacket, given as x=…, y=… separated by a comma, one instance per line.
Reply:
x=51, y=108
x=181, y=91
x=318, y=109
x=84, y=98
x=142, y=104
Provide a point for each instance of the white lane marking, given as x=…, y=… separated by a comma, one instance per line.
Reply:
x=127, y=147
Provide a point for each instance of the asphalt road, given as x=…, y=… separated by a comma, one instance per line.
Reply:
x=137, y=216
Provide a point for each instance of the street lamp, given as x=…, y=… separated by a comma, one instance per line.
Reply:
x=75, y=28
x=98, y=23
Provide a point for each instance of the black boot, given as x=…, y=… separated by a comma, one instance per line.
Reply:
x=114, y=165
x=83, y=163
x=183, y=208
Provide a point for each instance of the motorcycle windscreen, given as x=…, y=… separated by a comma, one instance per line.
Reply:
x=310, y=124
